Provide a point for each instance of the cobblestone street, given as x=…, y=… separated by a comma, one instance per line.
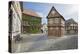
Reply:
x=40, y=42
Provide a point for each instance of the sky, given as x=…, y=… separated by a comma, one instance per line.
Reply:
x=66, y=10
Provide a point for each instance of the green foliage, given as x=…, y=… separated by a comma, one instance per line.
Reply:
x=33, y=22
x=32, y=29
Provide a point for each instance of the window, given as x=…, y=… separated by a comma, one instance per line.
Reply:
x=25, y=23
x=72, y=24
x=53, y=20
x=62, y=21
x=53, y=12
x=69, y=27
x=50, y=21
x=56, y=20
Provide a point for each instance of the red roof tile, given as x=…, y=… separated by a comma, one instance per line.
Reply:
x=30, y=12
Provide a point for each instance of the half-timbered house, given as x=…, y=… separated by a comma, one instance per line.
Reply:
x=71, y=27
x=31, y=21
x=56, y=23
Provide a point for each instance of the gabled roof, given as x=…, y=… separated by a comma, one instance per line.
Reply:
x=70, y=21
x=54, y=13
x=30, y=13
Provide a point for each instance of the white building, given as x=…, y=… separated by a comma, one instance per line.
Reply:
x=15, y=17
x=44, y=28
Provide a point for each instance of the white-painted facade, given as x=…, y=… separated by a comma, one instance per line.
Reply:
x=16, y=19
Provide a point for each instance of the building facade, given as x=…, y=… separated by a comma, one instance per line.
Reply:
x=44, y=28
x=15, y=17
x=56, y=23
x=71, y=27
x=31, y=22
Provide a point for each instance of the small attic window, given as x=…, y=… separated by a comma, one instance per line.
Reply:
x=53, y=12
